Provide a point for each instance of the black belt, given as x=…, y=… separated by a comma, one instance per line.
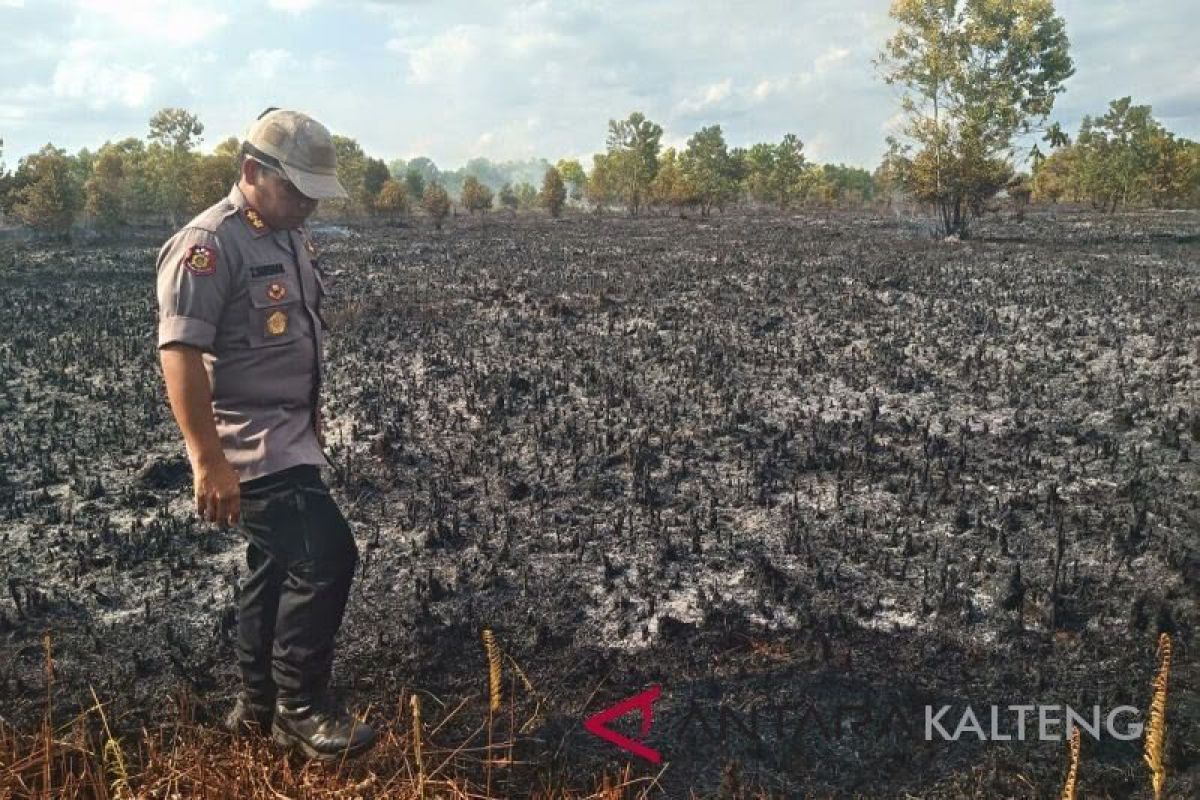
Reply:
x=303, y=474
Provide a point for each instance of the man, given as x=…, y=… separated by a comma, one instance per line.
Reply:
x=240, y=335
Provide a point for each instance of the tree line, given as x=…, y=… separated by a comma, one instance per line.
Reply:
x=978, y=76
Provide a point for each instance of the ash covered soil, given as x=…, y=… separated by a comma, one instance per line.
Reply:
x=808, y=474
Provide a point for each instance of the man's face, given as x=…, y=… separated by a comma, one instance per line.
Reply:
x=277, y=199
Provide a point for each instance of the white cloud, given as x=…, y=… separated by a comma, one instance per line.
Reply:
x=833, y=55
x=176, y=24
x=86, y=74
x=267, y=65
x=446, y=55
x=292, y=6
x=712, y=95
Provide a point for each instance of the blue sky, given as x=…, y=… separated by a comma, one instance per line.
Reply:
x=515, y=79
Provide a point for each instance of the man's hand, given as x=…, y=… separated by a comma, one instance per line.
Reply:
x=218, y=492
x=215, y=481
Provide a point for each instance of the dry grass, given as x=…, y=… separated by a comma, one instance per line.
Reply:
x=83, y=759
x=1069, y=786
x=1156, y=730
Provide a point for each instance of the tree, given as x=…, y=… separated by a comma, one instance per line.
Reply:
x=708, y=169
x=397, y=167
x=554, y=192
x=1115, y=154
x=393, y=199
x=977, y=72
x=414, y=184
x=760, y=169
x=174, y=134
x=375, y=172
x=214, y=175
x=351, y=172
x=633, y=146
x=476, y=196
x=891, y=176
x=573, y=176
x=527, y=196
x=601, y=183
x=787, y=171
x=508, y=198
x=103, y=200
x=49, y=196
x=436, y=203
x=670, y=187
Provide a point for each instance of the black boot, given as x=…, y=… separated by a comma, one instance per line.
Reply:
x=321, y=728
x=250, y=716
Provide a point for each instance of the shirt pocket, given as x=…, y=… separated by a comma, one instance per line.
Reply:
x=274, y=311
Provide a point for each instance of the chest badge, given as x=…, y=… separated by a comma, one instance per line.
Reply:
x=277, y=323
x=255, y=220
x=276, y=291
x=201, y=260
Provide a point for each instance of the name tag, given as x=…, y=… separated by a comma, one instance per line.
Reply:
x=263, y=270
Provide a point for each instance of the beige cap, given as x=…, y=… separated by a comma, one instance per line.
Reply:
x=301, y=147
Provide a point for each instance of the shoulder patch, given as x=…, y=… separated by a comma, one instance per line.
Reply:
x=200, y=259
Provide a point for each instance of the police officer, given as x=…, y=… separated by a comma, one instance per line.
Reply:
x=240, y=337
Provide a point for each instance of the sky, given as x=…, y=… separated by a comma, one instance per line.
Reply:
x=515, y=79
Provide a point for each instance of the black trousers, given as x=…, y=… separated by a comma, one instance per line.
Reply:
x=301, y=556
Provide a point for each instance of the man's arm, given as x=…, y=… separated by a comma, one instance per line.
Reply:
x=217, y=491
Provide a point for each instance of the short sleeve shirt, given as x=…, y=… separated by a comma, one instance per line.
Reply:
x=249, y=298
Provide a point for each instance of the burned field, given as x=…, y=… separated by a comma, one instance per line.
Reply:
x=807, y=474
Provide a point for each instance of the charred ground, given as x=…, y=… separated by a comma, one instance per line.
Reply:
x=808, y=474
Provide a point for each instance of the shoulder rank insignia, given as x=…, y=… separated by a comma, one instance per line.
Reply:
x=277, y=323
x=254, y=219
x=276, y=291
x=201, y=260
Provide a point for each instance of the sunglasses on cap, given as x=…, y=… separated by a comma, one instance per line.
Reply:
x=287, y=183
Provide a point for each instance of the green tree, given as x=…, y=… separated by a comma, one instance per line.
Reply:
x=554, y=192
x=601, y=183
x=977, y=73
x=527, y=196
x=214, y=175
x=104, y=199
x=1115, y=155
x=351, y=170
x=436, y=203
x=414, y=184
x=787, y=171
x=633, y=146
x=397, y=167
x=508, y=197
x=708, y=169
x=571, y=171
x=670, y=186
x=171, y=159
x=760, y=167
x=49, y=196
x=375, y=172
x=475, y=195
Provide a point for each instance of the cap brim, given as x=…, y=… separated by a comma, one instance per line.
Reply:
x=318, y=186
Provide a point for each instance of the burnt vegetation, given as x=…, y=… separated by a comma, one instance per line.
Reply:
x=768, y=462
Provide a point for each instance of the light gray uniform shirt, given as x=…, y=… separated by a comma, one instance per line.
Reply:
x=249, y=297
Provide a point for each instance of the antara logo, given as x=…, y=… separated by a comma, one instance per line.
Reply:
x=643, y=702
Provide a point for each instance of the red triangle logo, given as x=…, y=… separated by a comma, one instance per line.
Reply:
x=642, y=702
